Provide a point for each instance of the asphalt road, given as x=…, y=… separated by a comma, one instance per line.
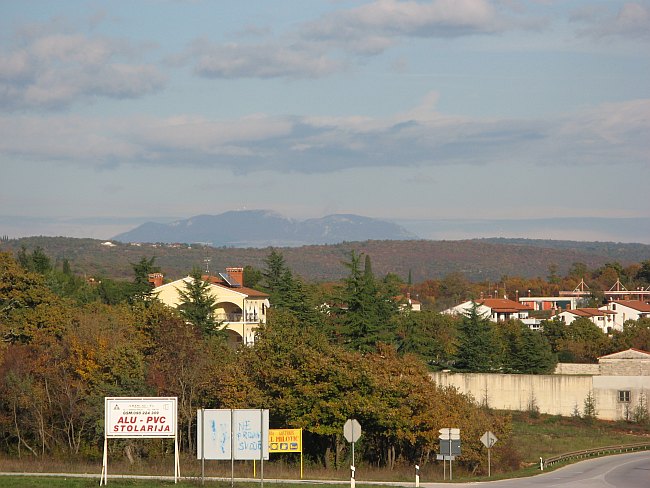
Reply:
x=618, y=471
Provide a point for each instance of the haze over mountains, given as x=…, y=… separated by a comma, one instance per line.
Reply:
x=262, y=228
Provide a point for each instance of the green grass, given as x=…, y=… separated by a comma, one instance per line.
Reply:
x=533, y=437
x=547, y=435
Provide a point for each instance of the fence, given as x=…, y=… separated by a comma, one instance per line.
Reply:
x=598, y=451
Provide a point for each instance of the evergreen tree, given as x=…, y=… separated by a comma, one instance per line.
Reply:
x=141, y=288
x=368, y=312
x=477, y=350
x=197, y=304
x=37, y=261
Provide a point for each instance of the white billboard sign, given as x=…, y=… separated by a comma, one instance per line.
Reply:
x=140, y=417
x=233, y=434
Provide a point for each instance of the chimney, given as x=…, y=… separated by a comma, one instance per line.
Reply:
x=236, y=275
x=156, y=279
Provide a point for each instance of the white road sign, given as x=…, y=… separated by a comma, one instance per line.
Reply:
x=232, y=434
x=352, y=430
x=140, y=417
x=489, y=439
x=449, y=433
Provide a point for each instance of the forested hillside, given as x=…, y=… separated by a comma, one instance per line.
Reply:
x=477, y=260
x=351, y=349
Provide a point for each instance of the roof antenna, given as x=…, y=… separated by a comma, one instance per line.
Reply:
x=207, y=266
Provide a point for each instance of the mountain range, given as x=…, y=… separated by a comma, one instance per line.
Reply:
x=262, y=228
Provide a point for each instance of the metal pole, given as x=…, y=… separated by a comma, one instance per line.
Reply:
x=262, y=448
x=202, y=446
x=352, y=425
x=489, y=461
x=232, y=449
x=417, y=476
x=450, y=475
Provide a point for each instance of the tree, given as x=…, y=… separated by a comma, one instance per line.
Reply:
x=367, y=312
x=583, y=342
x=525, y=351
x=198, y=304
x=643, y=273
x=37, y=261
x=478, y=351
x=429, y=335
x=287, y=292
x=141, y=287
x=635, y=333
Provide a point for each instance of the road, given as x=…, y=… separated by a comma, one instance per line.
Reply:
x=619, y=471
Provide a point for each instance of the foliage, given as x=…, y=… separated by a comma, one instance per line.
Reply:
x=197, y=304
x=590, y=411
x=430, y=336
x=366, y=311
x=525, y=350
x=582, y=342
x=478, y=350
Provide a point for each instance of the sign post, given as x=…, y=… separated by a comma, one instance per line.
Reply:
x=449, y=447
x=489, y=439
x=352, y=432
x=140, y=417
x=286, y=440
x=233, y=435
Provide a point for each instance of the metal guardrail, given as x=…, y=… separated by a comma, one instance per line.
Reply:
x=598, y=451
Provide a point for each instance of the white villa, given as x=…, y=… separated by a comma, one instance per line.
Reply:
x=497, y=310
x=239, y=309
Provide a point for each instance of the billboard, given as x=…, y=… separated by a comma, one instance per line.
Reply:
x=285, y=440
x=232, y=434
x=126, y=417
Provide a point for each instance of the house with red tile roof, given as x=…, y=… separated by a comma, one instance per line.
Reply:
x=497, y=310
x=625, y=310
x=240, y=310
x=604, y=319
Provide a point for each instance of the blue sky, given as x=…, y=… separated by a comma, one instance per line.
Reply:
x=117, y=112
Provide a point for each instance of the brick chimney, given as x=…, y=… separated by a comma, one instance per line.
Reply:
x=236, y=275
x=156, y=279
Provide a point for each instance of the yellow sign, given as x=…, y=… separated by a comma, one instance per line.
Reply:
x=285, y=440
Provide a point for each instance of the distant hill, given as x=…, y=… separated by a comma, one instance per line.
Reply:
x=262, y=228
x=478, y=259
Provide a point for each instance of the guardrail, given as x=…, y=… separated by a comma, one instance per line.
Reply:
x=598, y=451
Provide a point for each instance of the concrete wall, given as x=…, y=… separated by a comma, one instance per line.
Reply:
x=625, y=367
x=551, y=394
x=575, y=368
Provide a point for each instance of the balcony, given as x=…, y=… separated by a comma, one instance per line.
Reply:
x=237, y=317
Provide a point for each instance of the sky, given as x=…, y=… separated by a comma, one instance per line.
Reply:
x=113, y=113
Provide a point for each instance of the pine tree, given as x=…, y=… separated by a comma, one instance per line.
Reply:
x=368, y=312
x=141, y=288
x=197, y=304
x=477, y=351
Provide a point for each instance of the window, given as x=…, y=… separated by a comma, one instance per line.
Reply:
x=624, y=396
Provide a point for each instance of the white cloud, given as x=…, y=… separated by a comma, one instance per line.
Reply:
x=261, y=61
x=55, y=70
x=328, y=44
x=631, y=20
x=612, y=134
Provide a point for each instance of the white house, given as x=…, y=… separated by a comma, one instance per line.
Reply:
x=497, y=310
x=627, y=310
x=604, y=319
x=240, y=310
